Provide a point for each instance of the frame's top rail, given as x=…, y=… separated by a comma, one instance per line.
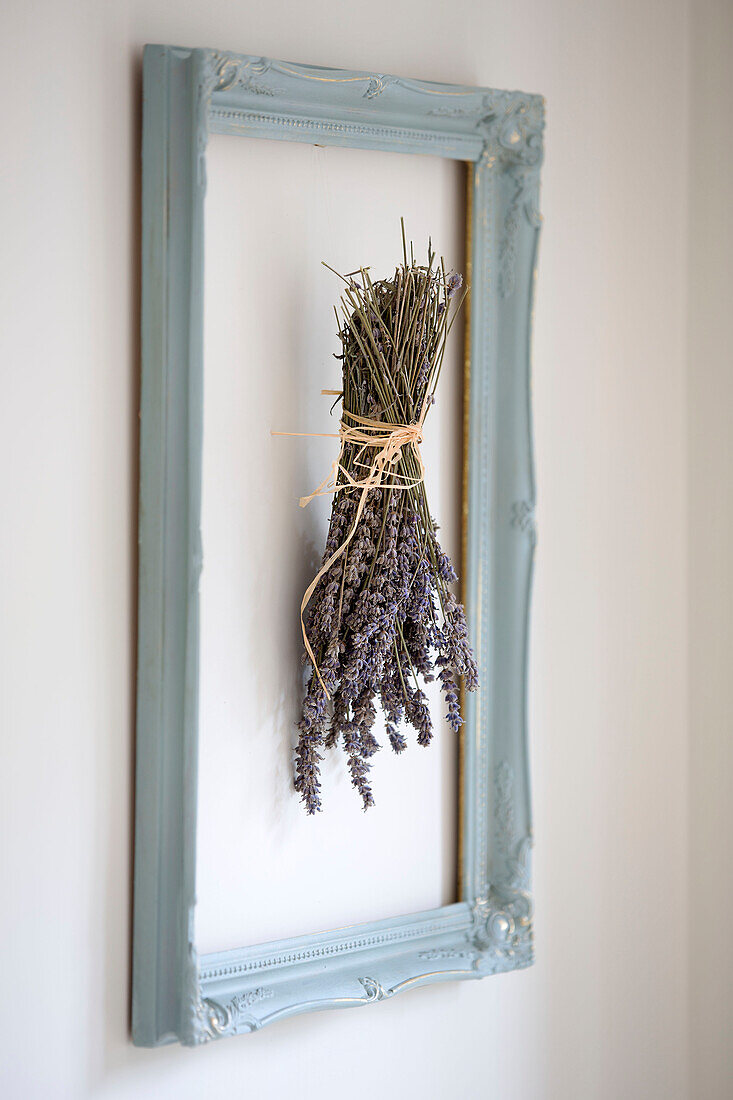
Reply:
x=282, y=99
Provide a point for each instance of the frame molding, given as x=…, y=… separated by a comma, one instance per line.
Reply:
x=187, y=95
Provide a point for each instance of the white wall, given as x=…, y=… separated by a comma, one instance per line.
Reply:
x=710, y=396
x=604, y=1012
x=274, y=210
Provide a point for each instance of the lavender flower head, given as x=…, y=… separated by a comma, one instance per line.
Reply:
x=383, y=619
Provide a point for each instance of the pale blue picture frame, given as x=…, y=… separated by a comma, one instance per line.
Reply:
x=188, y=94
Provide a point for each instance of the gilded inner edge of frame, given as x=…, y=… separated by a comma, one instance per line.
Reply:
x=468, y=264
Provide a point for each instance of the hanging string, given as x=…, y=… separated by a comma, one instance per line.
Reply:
x=382, y=473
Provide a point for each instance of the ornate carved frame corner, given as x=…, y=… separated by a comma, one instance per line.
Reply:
x=188, y=94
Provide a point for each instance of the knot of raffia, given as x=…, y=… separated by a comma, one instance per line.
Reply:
x=385, y=442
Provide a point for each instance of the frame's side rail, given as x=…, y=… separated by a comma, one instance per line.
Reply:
x=170, y=558
x=512, y=517
x=500, y=528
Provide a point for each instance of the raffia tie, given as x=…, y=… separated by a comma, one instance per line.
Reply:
x=366, y=434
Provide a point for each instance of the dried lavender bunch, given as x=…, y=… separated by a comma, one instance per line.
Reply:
x=382, y=617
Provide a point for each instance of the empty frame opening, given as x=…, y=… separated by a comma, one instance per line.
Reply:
x=265, y=870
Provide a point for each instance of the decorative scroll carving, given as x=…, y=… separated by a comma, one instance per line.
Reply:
x=377, y=84
x=217, y=1020
x=213, y=1021
x=243, y=72
x=512, y=122
x=374, y=990
x=503, y=808
x=523, y=518
x=253, y=74
x=246, y=1000
x=447, y=953
x=502, y=918
x=511, y=125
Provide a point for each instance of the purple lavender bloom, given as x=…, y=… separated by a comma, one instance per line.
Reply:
x=445, y=568
x=383, y=620
x=453, y=284
x=450, y=694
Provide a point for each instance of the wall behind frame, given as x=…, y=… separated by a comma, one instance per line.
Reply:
x=274, y=210
x=604, y=1013
x=710, y=398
